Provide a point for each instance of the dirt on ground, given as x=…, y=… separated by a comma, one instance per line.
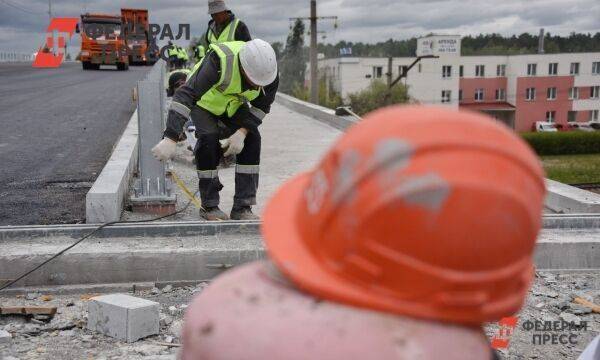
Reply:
x=65, y=337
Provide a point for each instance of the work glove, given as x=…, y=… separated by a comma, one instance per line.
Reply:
x=165, y=150
x=234, y=144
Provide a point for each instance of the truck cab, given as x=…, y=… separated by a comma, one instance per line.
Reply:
x=102, y=42
x=136, y=28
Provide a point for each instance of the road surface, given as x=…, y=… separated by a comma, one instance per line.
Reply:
x=58, y=129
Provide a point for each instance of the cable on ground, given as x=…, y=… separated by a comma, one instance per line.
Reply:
x=12, y=282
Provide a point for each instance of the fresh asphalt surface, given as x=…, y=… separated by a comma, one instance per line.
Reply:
x=59, y=127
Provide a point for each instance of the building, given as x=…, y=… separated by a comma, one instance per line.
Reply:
x=518, y=90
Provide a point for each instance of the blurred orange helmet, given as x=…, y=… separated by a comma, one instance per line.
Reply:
x=419, y=211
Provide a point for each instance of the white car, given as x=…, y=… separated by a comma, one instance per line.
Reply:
x=581, y=126
x=542, y=126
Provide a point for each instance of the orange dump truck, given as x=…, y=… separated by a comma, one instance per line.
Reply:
x=102, y=42
x=136, y=29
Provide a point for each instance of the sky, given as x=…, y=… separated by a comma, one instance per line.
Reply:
x=23, y=22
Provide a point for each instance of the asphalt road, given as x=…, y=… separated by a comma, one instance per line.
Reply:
x=58, y=128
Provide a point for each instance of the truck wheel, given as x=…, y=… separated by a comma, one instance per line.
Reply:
x=86, y=65
x=122, y=66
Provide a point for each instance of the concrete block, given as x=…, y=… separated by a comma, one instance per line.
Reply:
x=566, y=199
x=123, y=317
x=5, y=337
x=106, y=198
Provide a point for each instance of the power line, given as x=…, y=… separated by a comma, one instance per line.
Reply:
x=19, y=7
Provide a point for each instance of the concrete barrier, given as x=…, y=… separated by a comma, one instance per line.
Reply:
x=196, y=251
x=104, y=202
x=566, y=199
x=562, y=199
x=317, y=112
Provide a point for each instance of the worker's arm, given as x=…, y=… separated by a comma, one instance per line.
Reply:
x=251, y=117
x=187, y=96
x=242, y=33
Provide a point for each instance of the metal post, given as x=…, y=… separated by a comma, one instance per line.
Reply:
x=153, y=189
x=389, y=71
x=314, y=76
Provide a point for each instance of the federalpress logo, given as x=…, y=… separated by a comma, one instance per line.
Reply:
x=51, y=54
x=502, y=339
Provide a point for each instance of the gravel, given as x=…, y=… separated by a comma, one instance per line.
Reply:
x=65, y=337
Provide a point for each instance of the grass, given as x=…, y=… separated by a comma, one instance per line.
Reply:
x=573, y=169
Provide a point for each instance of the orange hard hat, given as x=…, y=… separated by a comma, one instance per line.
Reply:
x=419, y=211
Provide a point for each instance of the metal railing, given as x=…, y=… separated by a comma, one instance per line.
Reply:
x=15, y=57
x=153, y=186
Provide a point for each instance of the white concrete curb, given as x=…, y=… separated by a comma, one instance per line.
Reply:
x=566, y=199
x=104, y=202
x=562, y=199
x=317, y=112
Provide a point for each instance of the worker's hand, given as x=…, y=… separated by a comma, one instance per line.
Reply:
x=235, y=144
x=165, y=150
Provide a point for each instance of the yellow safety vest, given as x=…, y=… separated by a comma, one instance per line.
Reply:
x=226, y=96
x=173, y=51
x=227, y=35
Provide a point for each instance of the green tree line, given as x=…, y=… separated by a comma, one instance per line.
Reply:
x=482, y=44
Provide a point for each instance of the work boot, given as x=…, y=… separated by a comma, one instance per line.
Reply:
x=243, y=213
x=213, y=214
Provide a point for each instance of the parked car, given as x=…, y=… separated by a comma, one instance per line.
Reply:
x=581, y=126
x=541, y=126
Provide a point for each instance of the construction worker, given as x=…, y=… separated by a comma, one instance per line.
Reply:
x=177, y=78
x=224, y=26
x=233, y=88
x=183, y=57
x=199, y=53
x=400, y=244
x=172, y=53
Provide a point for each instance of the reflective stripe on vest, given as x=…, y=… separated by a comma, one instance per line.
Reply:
x=229, y=59
x=227, y=35
x=226, y=95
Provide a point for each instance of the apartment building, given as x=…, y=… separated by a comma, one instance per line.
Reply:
x=518, y=90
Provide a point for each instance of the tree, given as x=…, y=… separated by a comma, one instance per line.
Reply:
x=278, y=47
x=376, y=96
x=293, y=61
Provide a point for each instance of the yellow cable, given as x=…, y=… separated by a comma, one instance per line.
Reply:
x=186, y=191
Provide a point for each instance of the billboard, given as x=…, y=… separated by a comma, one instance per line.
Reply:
x=439, y=45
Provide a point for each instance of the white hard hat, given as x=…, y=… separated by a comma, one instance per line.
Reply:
x=259, y=62
x=216, y=6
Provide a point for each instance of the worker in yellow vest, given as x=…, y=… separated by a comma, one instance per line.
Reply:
x=233, y=87
x=224, y=26
x=182, y=57
x=172, y=54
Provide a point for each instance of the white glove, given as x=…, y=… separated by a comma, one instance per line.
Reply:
x=165, y=150
x=235, y=144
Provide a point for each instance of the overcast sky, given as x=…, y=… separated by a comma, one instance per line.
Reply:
x=22, y=24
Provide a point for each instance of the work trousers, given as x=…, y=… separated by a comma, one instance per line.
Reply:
x=208, y=153
x=173, y=62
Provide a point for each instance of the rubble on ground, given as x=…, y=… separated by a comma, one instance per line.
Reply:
x=550, y=303
x=66, y=336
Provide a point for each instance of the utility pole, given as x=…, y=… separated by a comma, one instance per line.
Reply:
x=314, y=76
x=314, y=71
x=50, y=9
x=389, y=72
